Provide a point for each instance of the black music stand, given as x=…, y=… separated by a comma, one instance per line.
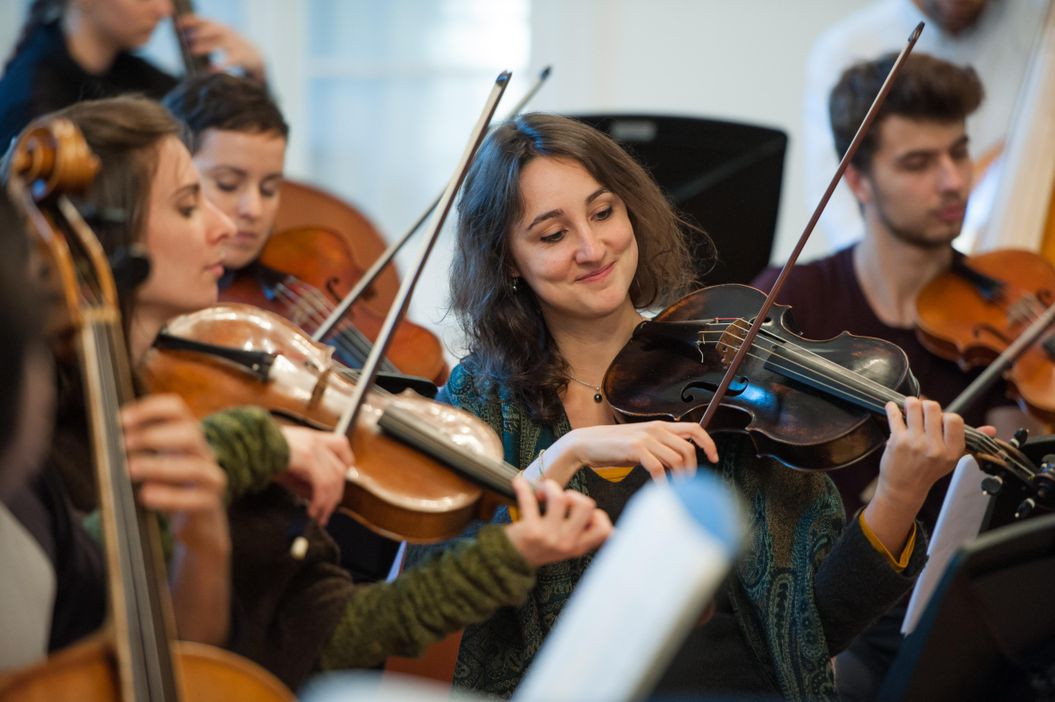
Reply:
x=989, y=631
x=724, y=176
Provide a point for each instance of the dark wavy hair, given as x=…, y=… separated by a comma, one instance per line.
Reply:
x=510, y=347
x=927, y=88
x=225, y=102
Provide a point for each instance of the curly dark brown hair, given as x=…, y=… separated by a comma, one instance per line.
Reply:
x=927, y=88
x=510, y=347
x=227, y=103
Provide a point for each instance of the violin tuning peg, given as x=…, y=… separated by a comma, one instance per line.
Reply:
x=992, y=485
x=1025, y=508
x=1044, y=480
x=1020, y=437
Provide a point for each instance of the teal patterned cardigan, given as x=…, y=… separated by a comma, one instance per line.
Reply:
x=801, y=591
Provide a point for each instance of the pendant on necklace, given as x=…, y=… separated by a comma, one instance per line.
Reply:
x=597, y=396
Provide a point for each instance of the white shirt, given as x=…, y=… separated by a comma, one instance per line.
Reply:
x=27, y=595
x=998, y=47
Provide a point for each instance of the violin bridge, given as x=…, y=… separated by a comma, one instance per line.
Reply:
x=729, y=342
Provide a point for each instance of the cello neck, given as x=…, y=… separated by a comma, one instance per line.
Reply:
x=192, y=65
x=138, y=600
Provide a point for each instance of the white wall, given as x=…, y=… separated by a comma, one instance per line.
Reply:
x=743, y=61
x=740, y=60
x=12, y=13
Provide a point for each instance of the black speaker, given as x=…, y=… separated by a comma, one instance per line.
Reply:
x=723, y=176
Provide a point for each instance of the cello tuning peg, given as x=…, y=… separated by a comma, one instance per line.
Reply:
x=1020, y=437
x=992, y=485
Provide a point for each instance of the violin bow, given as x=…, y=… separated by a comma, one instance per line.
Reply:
x=760, y=318
x=375, y=269
x=410, y=280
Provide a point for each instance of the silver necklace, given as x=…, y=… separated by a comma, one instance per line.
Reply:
x=597, y=396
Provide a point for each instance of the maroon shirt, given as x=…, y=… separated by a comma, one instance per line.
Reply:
x=827, y=299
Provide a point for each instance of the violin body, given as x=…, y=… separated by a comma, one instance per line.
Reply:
x=318, y=270
x=971, y=313
x=393, y=489
x=304, y=206
x=86, y=671
x=671, y=366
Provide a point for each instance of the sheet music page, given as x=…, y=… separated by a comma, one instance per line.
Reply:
x=645, y=589
x=958, y=523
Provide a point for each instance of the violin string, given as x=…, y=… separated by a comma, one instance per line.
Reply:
x=1034, y=307
x=298, y=302
x=876, y=387
x=976, y=439
x=317, y=310
x=348, y=339
x=481, y=463
x=880, y=391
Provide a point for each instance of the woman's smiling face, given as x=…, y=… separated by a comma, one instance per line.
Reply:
x=574, y=245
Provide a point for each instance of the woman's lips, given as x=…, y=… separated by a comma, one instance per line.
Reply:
x=594, y=276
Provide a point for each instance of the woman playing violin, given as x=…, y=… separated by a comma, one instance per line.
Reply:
x=238, y=140
x=73, y=50
x=169, y=459
x=294, y=616
x=562, y=240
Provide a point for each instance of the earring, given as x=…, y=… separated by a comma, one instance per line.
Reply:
x=514, y=283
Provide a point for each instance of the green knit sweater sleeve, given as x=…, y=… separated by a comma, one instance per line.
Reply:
x=249, y=446
x=463, y=585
